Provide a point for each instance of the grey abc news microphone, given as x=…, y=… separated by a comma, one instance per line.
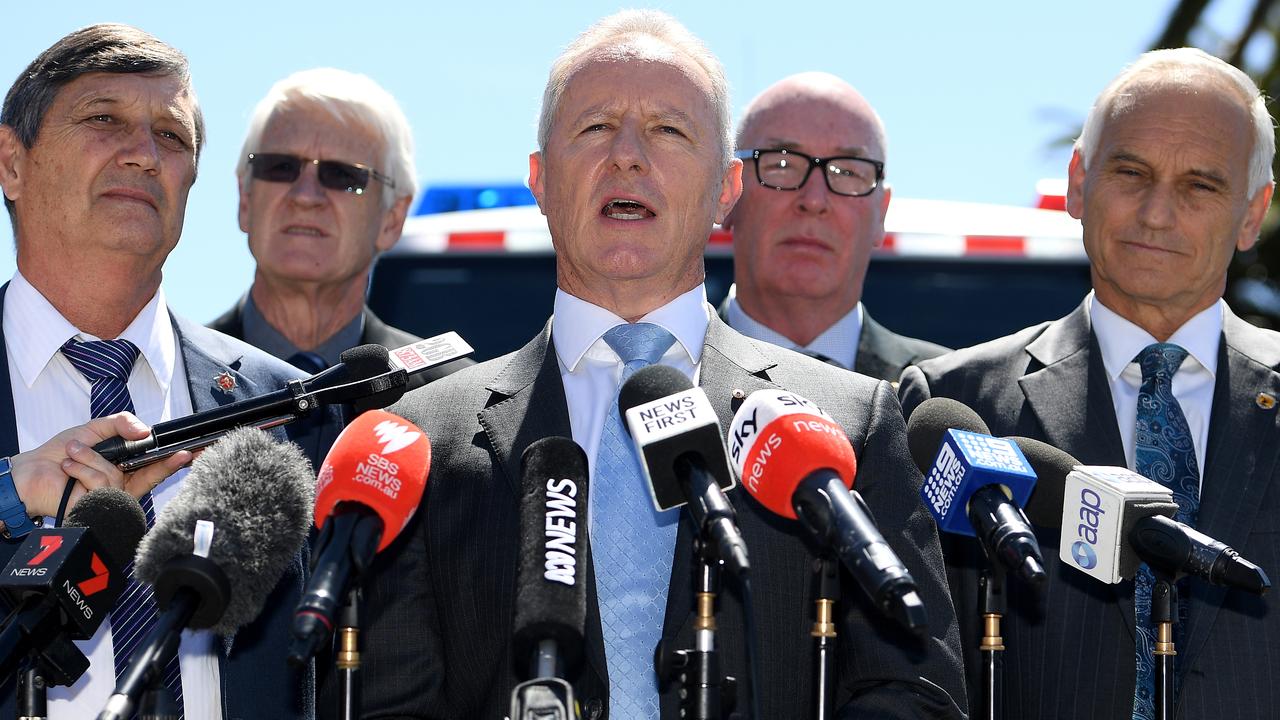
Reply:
x=218, y=548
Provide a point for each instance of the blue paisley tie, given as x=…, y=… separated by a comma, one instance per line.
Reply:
x=1165, y=453
x=632, y=544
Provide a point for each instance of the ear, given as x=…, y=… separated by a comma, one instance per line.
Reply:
x=884, y=212
x=393, y=224
x=1075, y=185
x=12, y=154
x=537, y=185
x=242, y=211
x=730, y=190
x=1254, y=214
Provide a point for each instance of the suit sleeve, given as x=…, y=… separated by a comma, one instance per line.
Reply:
x=893, y=674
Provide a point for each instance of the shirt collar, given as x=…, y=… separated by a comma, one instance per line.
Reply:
x=578, y=324
x=1120, y=340
x=44, y=331
x=838, y=342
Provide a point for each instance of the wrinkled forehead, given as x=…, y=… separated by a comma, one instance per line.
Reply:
x=1162, y=83
x=645, y=49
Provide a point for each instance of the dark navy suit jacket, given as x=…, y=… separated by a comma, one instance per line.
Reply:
x=256, y=681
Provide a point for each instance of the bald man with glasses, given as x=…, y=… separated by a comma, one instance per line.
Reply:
x=812, y=208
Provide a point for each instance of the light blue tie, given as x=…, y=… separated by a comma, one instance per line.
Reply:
x=632, y=544
x=1164, y=452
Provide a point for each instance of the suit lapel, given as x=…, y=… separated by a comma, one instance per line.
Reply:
x=874, y=344
x=8, y=420
x=1240, y=461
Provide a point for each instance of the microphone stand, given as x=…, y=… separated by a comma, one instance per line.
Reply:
x=826, y=573
x=1164, y=598
x=58, y=663
x=702, y=681
x=347, y=660
x=992, y=605
x=33, y=702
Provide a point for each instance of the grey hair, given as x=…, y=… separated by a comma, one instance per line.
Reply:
x=103, y=48
x=1155, y=69
x=620, y=37
x=350, y=98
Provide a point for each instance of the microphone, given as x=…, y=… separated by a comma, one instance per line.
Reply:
x=369, y=376
x=218, y=549
x=974, y=484
x=796, y=461
x=551, y=587
x=63, y=581
x=368, y=489
x=677, y=437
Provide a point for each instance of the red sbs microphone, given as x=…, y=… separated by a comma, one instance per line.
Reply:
x=368, y=490
x=796, y=461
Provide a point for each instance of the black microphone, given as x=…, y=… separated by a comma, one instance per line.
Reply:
x=218, y=549
x=63, y=581
x=972, y=481
x=677, y=436
x=551, y=584
x=367, y=375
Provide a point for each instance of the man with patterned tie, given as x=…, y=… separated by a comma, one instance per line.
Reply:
x=326, y=177
x=1171, y=175
x=633, y=169
x=803, y=230
x=99, y=142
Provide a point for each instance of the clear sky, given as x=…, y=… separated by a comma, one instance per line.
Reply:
x=973, y=94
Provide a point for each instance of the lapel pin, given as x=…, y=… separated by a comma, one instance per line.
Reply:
x=225, y=382
x=1266, y=401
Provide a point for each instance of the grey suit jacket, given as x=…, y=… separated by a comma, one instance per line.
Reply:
x=256, y=682
x=440, y=605
x=1071, y=655
x=882, y=353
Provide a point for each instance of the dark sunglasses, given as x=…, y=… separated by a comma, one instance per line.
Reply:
x=334, y=175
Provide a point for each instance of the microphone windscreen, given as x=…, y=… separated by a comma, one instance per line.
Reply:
x=929, y=423
x=648, y=384
x=1051, y=465
x=116, y=519
x=380, y=461
x=551, y=589
x=778, y=439
x=258, y=493
x=369, y=361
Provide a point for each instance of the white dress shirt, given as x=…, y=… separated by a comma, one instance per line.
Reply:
x=838, y=342
x=49, y=396
x=591, y=370
x=1121, y=341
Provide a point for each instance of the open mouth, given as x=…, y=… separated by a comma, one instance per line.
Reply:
x=303, y=230
x=626, y=210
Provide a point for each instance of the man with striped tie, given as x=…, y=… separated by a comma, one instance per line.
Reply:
x=633, y=169
x=1170, y=177
x=99, y=142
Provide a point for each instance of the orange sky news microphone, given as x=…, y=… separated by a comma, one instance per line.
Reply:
x=368, y=489
x=63, y=581
x=797, y=462
x=369, y=376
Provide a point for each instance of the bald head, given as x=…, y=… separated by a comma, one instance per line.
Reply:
x=789, y=100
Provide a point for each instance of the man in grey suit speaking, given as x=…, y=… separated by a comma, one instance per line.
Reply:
x=1171, y=175
x=633, y=169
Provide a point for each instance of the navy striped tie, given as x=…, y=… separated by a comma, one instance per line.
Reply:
x=107, y=364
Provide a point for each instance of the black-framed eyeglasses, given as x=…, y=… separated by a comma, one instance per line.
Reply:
x=332, y=174
x=780, y=169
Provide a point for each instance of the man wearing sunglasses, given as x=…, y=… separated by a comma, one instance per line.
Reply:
x=812, y=208
x=326, y=179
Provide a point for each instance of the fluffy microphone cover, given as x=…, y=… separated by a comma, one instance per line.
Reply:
x=116, y=519
x=258, y=494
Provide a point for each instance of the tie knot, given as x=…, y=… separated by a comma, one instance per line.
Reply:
x=634, y=342
x=1160, y=360
x=102, y=359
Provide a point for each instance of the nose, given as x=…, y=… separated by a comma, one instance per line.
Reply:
x=139, y=150
x=307, y=190
x=626, y=148
x=1158, y=208
x=814, y=196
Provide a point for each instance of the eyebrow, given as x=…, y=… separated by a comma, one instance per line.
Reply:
x=1210, y=175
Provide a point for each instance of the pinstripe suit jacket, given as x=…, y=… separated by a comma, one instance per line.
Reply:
x=1071, y=655
x=440, y=606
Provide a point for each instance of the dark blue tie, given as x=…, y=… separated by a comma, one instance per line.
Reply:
x=107, y=364
x=1164, y=452
x=309, y=361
